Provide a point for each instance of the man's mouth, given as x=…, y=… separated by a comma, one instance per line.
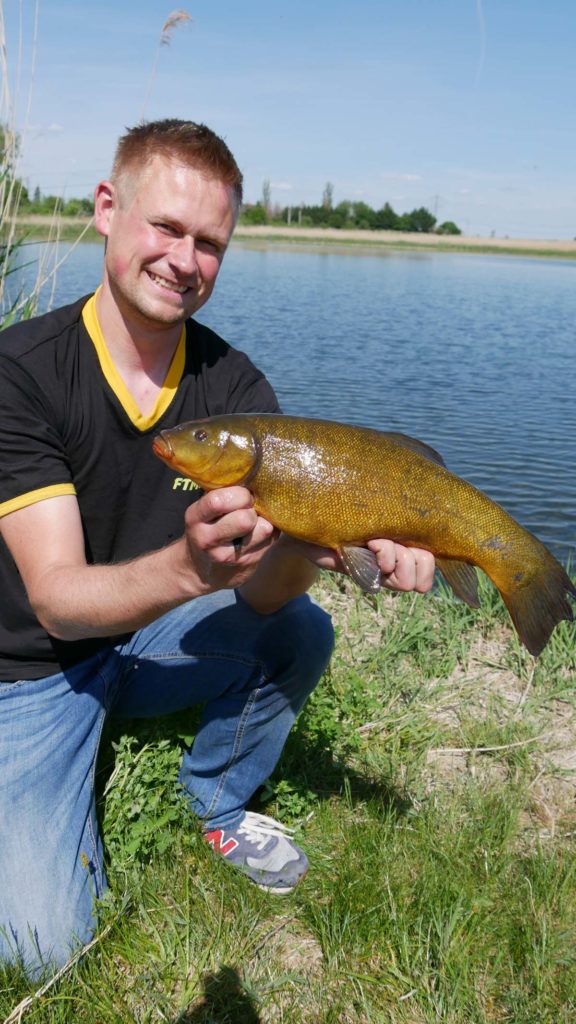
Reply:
x=170, y=285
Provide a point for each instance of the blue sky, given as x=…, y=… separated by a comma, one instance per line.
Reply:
x=464, y=106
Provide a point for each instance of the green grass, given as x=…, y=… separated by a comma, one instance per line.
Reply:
x=431, y=781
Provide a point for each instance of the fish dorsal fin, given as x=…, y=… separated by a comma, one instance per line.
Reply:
x=416, y=446
x=461, y=576
x=362, y=566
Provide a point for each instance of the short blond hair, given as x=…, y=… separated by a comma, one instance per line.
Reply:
x=192, y=144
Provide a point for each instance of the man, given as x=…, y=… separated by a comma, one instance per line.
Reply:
x=120, y=594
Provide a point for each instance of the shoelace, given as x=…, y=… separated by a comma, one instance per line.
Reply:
x=258, y=827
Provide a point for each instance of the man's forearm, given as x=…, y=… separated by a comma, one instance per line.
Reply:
x=73, y=600
x=76, y=602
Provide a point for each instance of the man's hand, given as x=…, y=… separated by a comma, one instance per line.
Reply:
x=226, y=538
x=404, y=568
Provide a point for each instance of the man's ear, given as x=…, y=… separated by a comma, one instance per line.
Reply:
x=104, y=205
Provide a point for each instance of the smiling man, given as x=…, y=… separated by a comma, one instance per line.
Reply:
x=123, y=592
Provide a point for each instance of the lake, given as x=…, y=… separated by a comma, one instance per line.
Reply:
x=472, y=354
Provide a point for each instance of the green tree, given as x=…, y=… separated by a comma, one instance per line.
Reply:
x=51, y=205
x=386, y=219
x=254, y=214
x=339, y=218
x=404, y=223
x=421, y=220
x=78, y=208
x=362, y=215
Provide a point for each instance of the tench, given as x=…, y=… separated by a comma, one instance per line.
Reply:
x=340, y=486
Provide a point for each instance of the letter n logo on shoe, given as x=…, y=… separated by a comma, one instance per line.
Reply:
x=214, y=839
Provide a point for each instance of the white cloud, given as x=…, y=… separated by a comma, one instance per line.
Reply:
x=401, y=177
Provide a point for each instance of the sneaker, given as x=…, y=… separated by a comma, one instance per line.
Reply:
x=259, y=846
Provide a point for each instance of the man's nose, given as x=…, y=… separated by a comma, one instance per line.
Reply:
x=183, y=255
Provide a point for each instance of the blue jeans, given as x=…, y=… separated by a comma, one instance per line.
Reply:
x=253, y=671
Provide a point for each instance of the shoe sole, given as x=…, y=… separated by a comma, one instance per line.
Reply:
x=280, y=890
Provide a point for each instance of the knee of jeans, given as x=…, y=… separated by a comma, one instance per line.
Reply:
x=306, y=638
x=322, y=633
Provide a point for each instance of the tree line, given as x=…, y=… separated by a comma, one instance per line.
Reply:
x=53, y=205
x=347, y=214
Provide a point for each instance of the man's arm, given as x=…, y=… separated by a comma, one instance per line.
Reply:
x=291, y=566
x=74, y=600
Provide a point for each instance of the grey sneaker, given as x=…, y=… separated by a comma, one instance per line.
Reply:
x=259, y=846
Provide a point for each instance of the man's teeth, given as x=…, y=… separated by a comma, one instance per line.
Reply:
x=180, y=288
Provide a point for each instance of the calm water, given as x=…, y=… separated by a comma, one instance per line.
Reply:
x=473, y=354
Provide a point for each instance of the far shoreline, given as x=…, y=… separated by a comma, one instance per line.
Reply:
x=334, y=238
x=38, y=228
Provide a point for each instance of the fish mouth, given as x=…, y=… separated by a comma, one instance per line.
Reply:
x=162, y=448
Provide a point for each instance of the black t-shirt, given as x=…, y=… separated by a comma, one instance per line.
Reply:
x=68, y=425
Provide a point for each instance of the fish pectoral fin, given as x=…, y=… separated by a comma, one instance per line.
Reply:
x=362, y=566
x=414, y=445
x=461, y=576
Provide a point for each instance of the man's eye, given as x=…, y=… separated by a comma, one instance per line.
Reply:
x=208, y=246
x=167, y=229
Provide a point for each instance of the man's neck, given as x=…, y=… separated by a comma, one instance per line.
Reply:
x=141, y=354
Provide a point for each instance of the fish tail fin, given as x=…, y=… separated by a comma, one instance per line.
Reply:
x=538, y=604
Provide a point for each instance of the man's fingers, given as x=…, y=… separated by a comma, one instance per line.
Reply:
x=224, y=526
x=215, y=504
x=386, y=552
x=413, y=569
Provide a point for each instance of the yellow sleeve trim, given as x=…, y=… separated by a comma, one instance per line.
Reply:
x=42, y=494
x=171, y=381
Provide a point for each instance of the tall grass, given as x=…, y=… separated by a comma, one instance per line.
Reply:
x=10, y=192
x=18, y=302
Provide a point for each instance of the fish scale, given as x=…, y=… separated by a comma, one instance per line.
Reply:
x=340, y=486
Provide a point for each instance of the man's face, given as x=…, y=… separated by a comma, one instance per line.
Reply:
x=167, y=232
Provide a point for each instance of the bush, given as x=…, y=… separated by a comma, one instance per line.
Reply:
x=448, y=228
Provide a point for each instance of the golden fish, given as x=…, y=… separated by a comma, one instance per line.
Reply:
x=341, y=486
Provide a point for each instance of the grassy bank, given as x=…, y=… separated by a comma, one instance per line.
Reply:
x=40, y=228
x=431, y=780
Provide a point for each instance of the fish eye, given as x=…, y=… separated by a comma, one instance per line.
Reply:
x=200, y=435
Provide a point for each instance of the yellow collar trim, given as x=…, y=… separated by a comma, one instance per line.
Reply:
x=169, y=387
